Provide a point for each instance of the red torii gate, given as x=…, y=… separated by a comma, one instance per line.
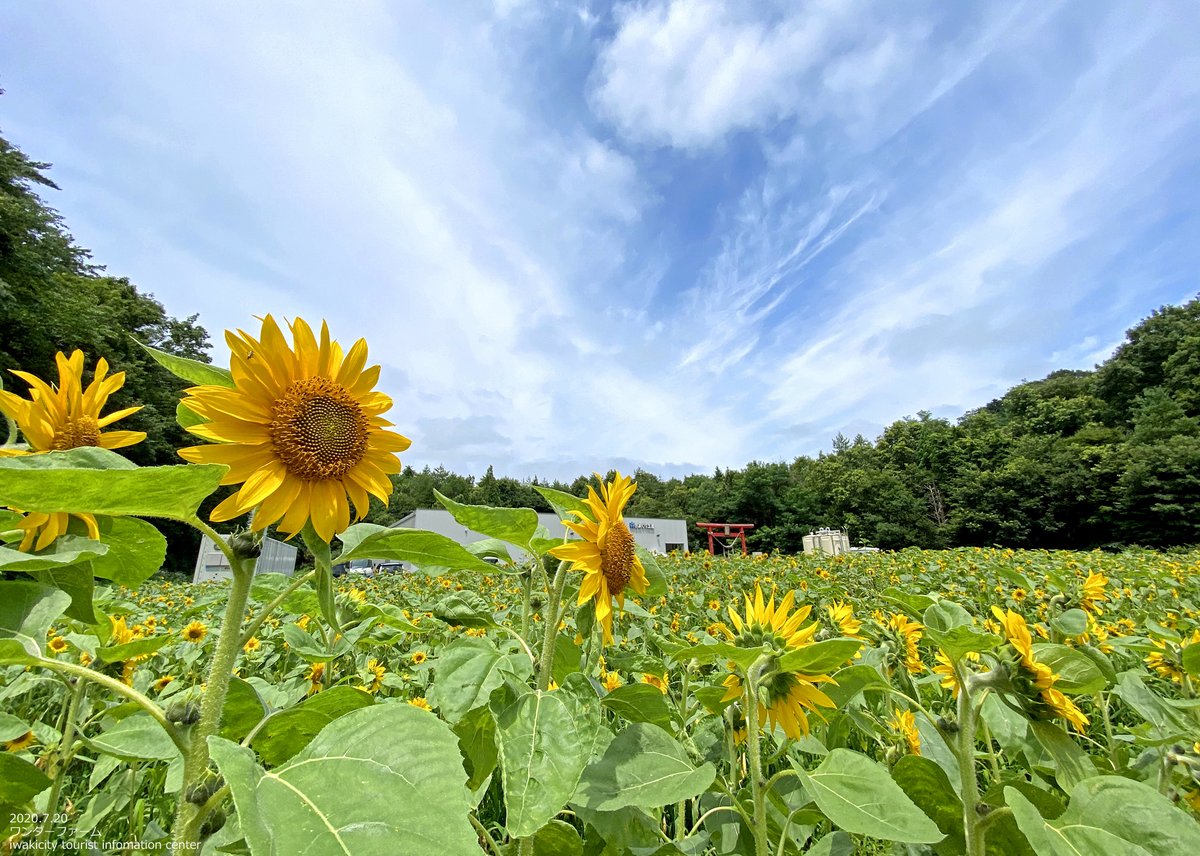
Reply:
x=736, y=530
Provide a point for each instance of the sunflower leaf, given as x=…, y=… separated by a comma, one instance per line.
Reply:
x=654, y=575
x=820, y=658
x=26, y=612
x=409, y=795
x=429, y=551
x=644, y=767
x=542, y=757
x=98, y=481
x=859, y=796
x=66, y=550
x=193, y=371
x=514, y=525
x=564, y=503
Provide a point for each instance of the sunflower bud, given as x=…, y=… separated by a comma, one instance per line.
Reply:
x=184, y=712
x=212, y=823
x=246, y=544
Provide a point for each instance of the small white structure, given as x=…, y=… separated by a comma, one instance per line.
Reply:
x=656, y=534
x=276, y=558
x=829, y=542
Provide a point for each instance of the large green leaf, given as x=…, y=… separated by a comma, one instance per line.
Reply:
x=541, y=757
x=66, y=550
x=563, y=503
x=99, y=481
x=1077, y=673
x=655, y=578
x=859, y=796
x=135, y=648
x=136, y=738
x=645, y=767
x=135, y=551
x=1071, y=764
x=1109, y=815
x=926, y=784
x=639, y=703
x=27, y=610
x=407, y=797
x=467, y=671
x=821, y=657
x=557, y=838
x=287, y=732
x=476, y=734
x=432, y=553
x=464, y=609
x=243, y=710
x=514, y=525
x=193, y=371
x=20, y=781
x=77, y=581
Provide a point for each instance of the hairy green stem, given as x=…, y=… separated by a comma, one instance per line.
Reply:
x=195, y=767
x=119, y=688
x=762, y=846
x=63, y=756
x=484, y=834
x=552, y=618
x=965, y=750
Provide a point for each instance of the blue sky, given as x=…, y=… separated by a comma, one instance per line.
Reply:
x=675, y=235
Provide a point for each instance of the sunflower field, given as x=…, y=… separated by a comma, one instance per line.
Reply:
x=534, y=696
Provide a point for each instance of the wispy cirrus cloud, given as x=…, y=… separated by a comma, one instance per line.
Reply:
x=669, y=234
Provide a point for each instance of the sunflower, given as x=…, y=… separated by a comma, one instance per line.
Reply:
x=610, y=680
x=904, y=723
x=162, y=683
x=58, y=645
x=20, y=743
x=908, y=633
x=1093, y=591
x=605, y=552
x=1167, y=661
x=316, y=678
x=67, y=416
x=252, y=645
x=376, y=670
x=787, y=694
x=61, y=418
x=842, y=616
x=1041, y=676
x=420, y=702
x=194, y=632
x=655, y=681
x=301, y=431
x=419, y=657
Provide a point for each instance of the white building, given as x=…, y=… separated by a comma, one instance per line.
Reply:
x=211, y=564
x=656, y=534
x=831, y=542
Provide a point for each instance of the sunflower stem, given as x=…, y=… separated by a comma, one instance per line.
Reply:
x=63, y=756
x=552, y=619
x=156, y=712
x=229, y=643
x=973, y=833
x=762, y=847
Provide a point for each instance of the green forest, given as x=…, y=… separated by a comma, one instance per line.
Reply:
x=1105, y=458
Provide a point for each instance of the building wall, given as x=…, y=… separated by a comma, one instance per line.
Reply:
x=657, y=535
x=211, y=564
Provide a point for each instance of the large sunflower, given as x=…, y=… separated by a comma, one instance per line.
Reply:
x=605, y=552
x=301, y=430
x=788, y=694
x=67, y=416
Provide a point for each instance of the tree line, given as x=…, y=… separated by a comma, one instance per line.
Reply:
x=1079, y=459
